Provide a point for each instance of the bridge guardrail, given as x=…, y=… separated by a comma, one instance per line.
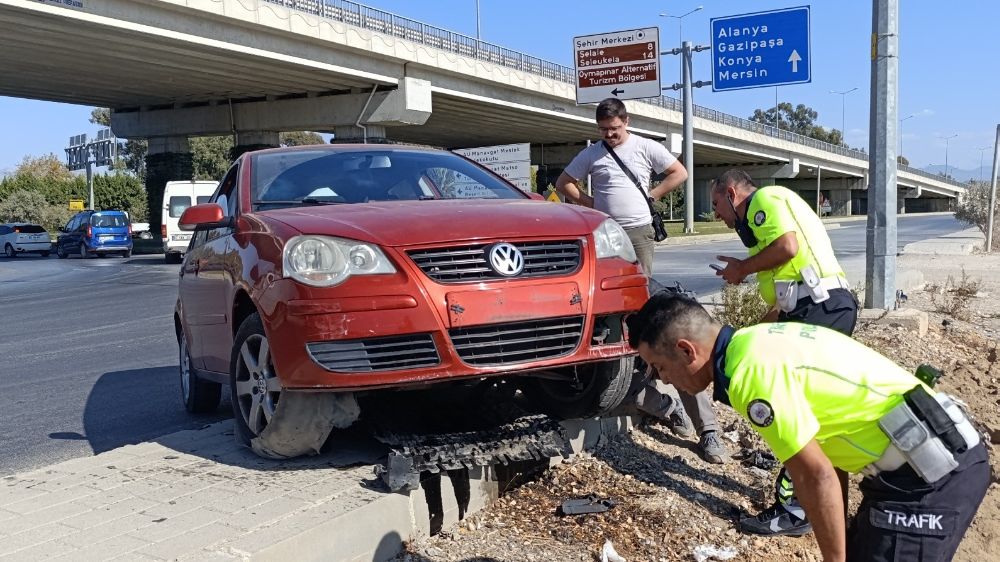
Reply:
x=387, y=23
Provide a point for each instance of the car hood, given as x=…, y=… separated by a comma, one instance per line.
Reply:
x=403, y=223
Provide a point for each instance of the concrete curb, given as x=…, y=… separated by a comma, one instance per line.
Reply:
x=964, y=242
x=198, y=496
x=708, y=238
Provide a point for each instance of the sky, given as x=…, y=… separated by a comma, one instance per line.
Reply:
x=948, y=66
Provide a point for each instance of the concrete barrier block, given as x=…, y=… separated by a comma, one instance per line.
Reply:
x=910, y=319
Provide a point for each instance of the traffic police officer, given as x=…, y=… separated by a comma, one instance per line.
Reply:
x=790, y=252
x=824, y=402
x=797, y=274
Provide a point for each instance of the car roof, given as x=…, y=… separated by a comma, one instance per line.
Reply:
x=21, y=224
x=349, y=147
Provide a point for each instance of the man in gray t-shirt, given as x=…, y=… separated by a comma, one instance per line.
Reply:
x=617, y=195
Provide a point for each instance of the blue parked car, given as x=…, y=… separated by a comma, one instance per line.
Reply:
x=99, y=233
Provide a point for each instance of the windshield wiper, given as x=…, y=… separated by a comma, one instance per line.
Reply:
x=303, y=201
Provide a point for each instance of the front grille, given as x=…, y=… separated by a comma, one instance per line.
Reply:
x=517, y=342
x=455, y=264
x=376, y=354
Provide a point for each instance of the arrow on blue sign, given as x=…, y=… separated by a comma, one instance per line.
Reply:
x=761, y=49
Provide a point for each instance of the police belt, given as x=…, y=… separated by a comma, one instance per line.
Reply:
x=830, y=283
x=926, y=431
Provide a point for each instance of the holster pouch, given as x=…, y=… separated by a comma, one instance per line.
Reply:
x=786, y=295
x=928, y=431
x=923, y=450
x=813, y=286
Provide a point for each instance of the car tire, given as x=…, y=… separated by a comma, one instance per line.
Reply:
x=61, y=252
x=255, y=389
x=200, y=396
x=127, y=254
x=83, y=253
x=596, y=389
x=9, y=251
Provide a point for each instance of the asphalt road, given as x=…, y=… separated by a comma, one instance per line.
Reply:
x=689, y=264
x=88, y=358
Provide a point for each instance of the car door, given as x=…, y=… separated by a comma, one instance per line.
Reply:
x=205, y=288
x=66, y=237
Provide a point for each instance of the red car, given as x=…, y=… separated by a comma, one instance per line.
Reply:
x=319, y=273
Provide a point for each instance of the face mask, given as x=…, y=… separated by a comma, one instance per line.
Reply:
x=742, y=227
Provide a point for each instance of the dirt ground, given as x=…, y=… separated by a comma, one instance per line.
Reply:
x=673, y=506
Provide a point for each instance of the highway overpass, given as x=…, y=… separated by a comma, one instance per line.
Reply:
x=172, y=69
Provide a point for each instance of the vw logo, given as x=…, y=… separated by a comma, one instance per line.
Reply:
x=506, y=260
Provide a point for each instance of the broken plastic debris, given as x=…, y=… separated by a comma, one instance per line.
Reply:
x=704, y=552
x=591, y=503
x=608, y=554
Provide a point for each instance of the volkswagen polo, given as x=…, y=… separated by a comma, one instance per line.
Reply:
x=319, y=274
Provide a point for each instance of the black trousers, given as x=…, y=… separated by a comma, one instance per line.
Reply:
x=904, y=518
x=839, y=312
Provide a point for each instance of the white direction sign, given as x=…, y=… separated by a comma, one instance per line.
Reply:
x=622, y=64
x=512, y=162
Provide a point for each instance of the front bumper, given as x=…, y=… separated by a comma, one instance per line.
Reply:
x=394, y=331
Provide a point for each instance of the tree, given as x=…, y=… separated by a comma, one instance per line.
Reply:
x=122, y=192
x=901, y=160
x=300, y=138
x=799, y=119
x=973, y=207
x=211, y=156
x=46, y=168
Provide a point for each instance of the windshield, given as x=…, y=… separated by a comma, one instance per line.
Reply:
x=282, y=179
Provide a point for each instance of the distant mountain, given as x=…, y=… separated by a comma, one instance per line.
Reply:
x=957, y=173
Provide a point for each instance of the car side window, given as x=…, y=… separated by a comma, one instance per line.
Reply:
x=4, y=230
x=227, y=199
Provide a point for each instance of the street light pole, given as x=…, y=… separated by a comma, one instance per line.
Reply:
x=946, y=139
x=478, y=35
x=981, y=149
x=910, y=116
x=843, y=112
x=680, y=34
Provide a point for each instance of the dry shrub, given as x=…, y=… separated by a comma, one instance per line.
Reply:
x=954, y=298
x=741, y=305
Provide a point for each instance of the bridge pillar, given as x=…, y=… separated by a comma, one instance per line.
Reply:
x=168, y=158
x=840, y=202
x=254, y=140
x=551, y=159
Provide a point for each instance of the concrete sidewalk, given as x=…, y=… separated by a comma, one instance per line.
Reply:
x=198, y=496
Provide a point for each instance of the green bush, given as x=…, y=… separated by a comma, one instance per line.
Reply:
x=741, y=305
x=973, y=208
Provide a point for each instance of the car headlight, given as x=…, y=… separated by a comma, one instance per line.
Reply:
x=325, y=261
x=612, y=241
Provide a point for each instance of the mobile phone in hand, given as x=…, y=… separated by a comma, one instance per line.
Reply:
x=716, y=266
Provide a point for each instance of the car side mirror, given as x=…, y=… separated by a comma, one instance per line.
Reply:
x=536, y=196
x=205, y=215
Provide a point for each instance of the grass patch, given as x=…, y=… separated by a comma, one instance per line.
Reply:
x=715, y=227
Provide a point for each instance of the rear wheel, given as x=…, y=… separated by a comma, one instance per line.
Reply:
x=200, y=396
x=82, y=252
x=587, y=391
x=9, y=251
x=127, y=254
x=61, y=252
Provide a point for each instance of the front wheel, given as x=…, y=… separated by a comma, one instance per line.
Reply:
x=253, y=382
x=61, y=252
x=9, y=251
x=586, y=391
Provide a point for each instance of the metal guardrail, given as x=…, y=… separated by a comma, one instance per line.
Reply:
x=387, y=23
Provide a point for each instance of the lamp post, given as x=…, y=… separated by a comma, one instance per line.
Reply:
x=910, y=116
x=478, y=37
x=981, y=149
x=946, y=139
x=680, y=33
x=843, y=112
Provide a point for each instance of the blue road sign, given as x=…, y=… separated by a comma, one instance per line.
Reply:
x=761, y=49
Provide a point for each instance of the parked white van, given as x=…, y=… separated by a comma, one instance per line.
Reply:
x=177, y=196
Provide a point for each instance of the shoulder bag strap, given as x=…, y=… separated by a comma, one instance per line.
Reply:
x=631, y=176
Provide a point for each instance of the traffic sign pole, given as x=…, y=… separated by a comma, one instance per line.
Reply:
x=880, y=243
x=688, y=139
